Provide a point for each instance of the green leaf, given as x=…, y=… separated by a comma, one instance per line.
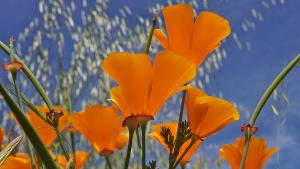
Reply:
x=4, y=154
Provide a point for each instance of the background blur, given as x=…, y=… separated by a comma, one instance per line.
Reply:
x=64, y=43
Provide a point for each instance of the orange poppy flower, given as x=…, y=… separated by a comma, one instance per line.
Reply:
x=144, y=87
x=257, y=156
x=173, y=127
x=102, y=127
x=193, y=40
x=17, y=161
x=47, y=132
x=2, y=133
x=207, y=114
x=80, y=156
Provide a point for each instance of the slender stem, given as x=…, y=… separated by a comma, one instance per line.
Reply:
x=37, y=111
x=62, y=143
x=245, y=151
x=29, y=130
x=31, y=155
x=144, y=127
x=182, y=166
x=149, y=39
x=181, y=107
x=176, y=149
x=131, y=132
x=108, y=162
x=193, y=141
x=14, y=77
x=72, y=141
x=271, y=88
x=264, y=98
x=138, y=137
x=30, y=76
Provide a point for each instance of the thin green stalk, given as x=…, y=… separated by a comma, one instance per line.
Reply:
x=72, y=142
x=70, y=110
x=182, y=166
x=245, y=150
x=30, y=75
x=138, y=137
x=108, y=162
x=264, y=98
x=62, y=143
x=35, y=109
x=131, y=132
x=144, y=127
x=14, y=77
x=176, y=149
x=31, y=133
x=149, y=39
x=193, y=141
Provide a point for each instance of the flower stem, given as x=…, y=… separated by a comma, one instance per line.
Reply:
x=138, y=137
x=144, y=127
x=108, y=162
x=245, y=150
x=193, y=141
x=264, y=98
x=62, y=143
x=131, y=132
x=29, y=130
x=176, y=149
x=149, y=39
x=30, y=75
x=31, y=155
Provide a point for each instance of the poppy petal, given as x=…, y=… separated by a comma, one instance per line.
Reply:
x=171, y=71
x=210, y=29
x=161, y=37
x=179, y=20
x=133, y=73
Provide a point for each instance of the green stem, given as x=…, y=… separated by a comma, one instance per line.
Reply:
x=14, y=77
x=30, y=76
x=264, y=98
x=62, y=143
x=36, y=110
x=176, y=149
x=29, y=130
x=149, y=39
x=182, y=166
x=138, y=137
x=193, y=141
x=131, y=132
x=72, y=142
x=144, y=127
x=108, y=162
x=245, y=150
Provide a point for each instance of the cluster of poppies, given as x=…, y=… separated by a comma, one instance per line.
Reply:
x=143, y=86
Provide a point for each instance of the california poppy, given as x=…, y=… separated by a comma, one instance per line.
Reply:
x=173, y=128
x=46, y=131
x=193, y=40
x=80, y=158
x=17, y=161
x=207, y=114
x=257, y=155
x=144, y=87
x=102, y=127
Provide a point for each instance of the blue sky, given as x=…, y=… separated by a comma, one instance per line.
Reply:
x=244, y=75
